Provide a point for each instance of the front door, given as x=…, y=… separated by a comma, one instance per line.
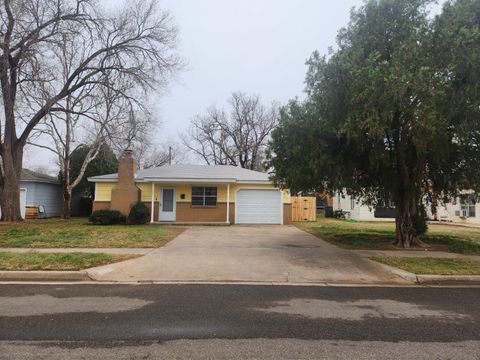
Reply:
x=167, y=204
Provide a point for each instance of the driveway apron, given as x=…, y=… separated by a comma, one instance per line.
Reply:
x=242, y=253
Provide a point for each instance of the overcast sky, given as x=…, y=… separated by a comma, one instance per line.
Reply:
x=255, y=46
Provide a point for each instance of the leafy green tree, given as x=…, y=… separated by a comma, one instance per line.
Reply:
x=393, y=113
x=105, y=162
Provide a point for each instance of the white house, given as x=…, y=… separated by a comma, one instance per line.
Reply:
x=464, y=209
x=355, y=210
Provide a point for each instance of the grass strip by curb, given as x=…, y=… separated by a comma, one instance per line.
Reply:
x=57, y=261
x=432, y=266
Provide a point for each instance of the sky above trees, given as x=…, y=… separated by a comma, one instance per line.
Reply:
x=252, y=46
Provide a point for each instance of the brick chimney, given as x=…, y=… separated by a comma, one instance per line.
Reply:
x=125, y=193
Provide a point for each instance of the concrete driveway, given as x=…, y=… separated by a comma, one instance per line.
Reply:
x=251, y=254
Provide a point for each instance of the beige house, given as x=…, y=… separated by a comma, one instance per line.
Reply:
x=194, y=194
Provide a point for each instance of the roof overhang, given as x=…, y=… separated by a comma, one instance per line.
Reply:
x=187, y=180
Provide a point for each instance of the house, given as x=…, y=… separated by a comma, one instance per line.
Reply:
x=41, y=193
x=463, y=209
x=194, y=193
x=355, y=210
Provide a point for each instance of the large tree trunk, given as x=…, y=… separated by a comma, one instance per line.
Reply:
x=406, y=232
x=67, y=188
x=65, y=161
x=67, y=201
x=10, y=195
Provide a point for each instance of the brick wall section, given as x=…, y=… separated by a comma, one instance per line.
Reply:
x=125, y=193
x=155, y=207
x=101, y=205
x=188, y=213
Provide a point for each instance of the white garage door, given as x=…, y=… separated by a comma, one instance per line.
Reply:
x=258, y=206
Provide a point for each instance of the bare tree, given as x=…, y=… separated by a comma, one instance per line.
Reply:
x=169, y=153
x=96, y=118
x=136, y=43
x=238, y=138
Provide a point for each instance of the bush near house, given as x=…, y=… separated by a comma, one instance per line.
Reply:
x=107, y=217
x=138, y=214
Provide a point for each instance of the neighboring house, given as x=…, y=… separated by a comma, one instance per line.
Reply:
x=464, y=209
x=357, y=211
x=42, y=192
x=194, y=193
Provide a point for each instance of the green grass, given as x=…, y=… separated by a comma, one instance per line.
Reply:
x=433, y=266
x=73, y=233
x=57, y=261
x=381, y=235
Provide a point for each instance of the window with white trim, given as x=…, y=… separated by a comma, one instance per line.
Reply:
x=204, y=196
x=468, y=206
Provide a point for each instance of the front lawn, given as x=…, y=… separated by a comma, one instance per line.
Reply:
x=433, y=266
x=57, y=261
x=74, y=233
x=350, y=234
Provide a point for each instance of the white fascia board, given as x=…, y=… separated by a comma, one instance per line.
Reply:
x=257, y=182
x=92, y=179
x=187, y=180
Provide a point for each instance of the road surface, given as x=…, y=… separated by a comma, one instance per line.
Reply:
x=238, y=321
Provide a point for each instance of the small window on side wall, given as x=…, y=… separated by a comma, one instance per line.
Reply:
x=204, y=196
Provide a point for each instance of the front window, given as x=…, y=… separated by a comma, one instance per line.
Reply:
x=467, y=206
x=204, y=196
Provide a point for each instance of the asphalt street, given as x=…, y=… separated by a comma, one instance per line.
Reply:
x=243, y=321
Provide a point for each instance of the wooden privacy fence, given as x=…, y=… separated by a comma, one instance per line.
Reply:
x=304, y=208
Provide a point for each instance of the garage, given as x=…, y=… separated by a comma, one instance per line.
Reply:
x=258, y=206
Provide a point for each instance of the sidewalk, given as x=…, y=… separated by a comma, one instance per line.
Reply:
x=133, y=251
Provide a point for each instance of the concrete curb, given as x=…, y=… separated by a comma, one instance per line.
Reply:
x=44, y=276
x=448, y=279
x=432, y=279
x=405, y=275
x=84, y=276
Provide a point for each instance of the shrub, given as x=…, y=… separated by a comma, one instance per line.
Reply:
x=138, y=214
x=107, y=217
